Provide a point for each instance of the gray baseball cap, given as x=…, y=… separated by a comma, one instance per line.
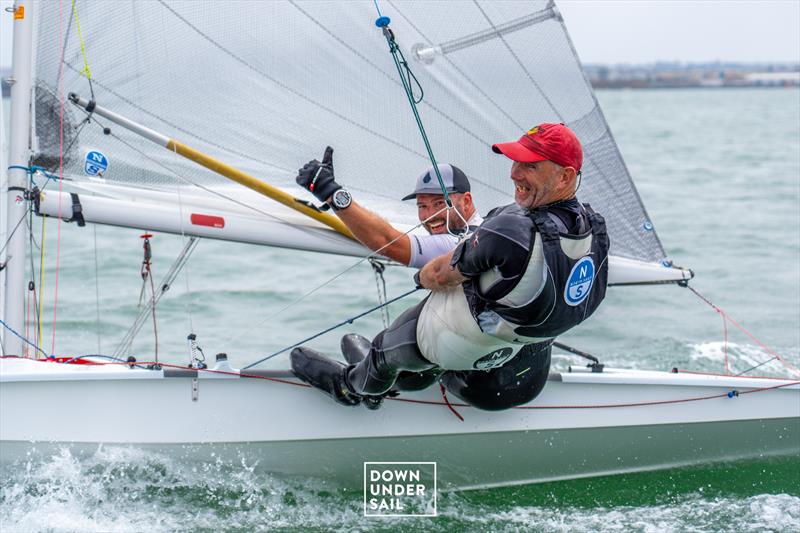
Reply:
x=427, y=183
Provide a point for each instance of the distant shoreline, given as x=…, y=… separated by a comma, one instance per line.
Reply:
x=665, y=75
x=632, y=87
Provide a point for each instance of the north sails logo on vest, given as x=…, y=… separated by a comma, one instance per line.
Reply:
x=494, y=359
x=579, y=283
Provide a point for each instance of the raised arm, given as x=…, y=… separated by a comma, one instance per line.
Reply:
x=374, y=232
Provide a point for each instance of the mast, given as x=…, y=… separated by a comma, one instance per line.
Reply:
x=18, y=159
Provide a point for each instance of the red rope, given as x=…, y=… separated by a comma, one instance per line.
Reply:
x=60, y=169
x=725, y=342
x=31, y=301
x=725, y=317
x=728, y=375
x=449, y=405
x=767, y=348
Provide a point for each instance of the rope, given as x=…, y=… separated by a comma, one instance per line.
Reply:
x=9, y=328
x=725, y=342
x=726, y=316
x=147, y=275
x=31, y=304
x=447, y=402
x=402, y=65
x=380, y=283
x=40, y=307
x=86, y=71
x=340, y=324
x=60, y=181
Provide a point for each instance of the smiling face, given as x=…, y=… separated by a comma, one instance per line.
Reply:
x=433, y=205
x=541, y=183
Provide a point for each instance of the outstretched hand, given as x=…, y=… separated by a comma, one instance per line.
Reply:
x=318, y=177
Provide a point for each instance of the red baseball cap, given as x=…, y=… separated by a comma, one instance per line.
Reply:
x=545, y=142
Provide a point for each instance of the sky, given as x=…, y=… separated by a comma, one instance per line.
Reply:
x=646, y=31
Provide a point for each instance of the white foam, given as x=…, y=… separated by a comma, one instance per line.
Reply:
x=740, y=357
x=757, y=513
x=129, y=489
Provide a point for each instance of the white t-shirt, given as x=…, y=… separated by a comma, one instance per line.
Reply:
x=426, y=247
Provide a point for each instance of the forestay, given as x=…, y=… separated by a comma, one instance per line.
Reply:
x=265, y=86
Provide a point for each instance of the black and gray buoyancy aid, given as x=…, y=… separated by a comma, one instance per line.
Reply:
x=570, y=285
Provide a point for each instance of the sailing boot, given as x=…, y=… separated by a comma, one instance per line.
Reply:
x=325, y=374
x=355, y=349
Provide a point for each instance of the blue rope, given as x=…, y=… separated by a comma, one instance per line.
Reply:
x=33, y=170
x=101, y=356
x=340, y=324
x=9, y=328
x=401, y=63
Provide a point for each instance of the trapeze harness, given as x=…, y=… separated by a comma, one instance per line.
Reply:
x=485, y=322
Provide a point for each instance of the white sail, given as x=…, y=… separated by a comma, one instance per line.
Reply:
x=302, y=75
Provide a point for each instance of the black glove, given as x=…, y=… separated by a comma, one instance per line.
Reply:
x=318, y=177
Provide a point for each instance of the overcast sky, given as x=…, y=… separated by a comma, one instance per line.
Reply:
x=645, y=31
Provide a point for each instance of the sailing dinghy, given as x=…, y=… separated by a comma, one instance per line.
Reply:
x=136, y=114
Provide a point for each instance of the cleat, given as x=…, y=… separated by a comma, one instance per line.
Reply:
x=324, y=374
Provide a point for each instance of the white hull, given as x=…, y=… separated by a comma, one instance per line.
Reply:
x=296, y=430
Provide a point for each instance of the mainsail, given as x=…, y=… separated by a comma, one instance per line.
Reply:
x=265, y=86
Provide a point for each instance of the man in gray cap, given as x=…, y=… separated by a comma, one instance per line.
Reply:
x=378, y=235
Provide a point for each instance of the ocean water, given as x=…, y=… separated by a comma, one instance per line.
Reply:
x=719, y=171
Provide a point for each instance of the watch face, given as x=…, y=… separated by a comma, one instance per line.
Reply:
x=341, y=199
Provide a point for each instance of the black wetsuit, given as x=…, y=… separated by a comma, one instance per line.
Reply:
x=503, y=244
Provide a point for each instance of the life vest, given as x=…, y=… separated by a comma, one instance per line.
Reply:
x=575, y=278
x=459, y=329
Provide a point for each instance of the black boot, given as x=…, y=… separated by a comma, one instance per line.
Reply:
x=324, y=374
x=355, y=348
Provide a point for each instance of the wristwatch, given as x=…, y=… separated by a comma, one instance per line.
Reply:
x=341, y=199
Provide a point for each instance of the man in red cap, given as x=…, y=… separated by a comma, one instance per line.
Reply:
x=530, y=272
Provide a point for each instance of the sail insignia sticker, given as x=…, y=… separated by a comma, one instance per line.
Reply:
x=579, y=283
x=96, y=163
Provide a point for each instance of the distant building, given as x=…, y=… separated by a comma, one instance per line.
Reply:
x=677, y=75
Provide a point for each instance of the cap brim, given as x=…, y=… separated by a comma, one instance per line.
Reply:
x=517, y=152
x=437, y=190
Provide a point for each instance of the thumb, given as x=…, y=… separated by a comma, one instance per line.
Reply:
x=327, y=159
